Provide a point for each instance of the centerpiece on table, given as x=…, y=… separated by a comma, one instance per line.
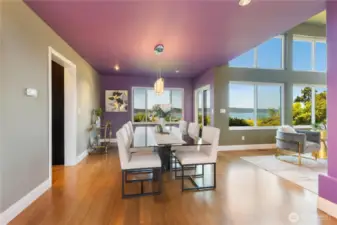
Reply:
x=162, y=112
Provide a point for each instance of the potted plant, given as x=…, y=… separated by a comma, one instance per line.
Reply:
x=98, y=113
x=162, y=111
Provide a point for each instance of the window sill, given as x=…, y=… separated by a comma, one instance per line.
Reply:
x=255, y=128
x=303, y=127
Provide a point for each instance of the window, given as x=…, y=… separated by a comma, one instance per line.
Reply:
x=309, y=54
x=309, y=105
x=268, y=55
x=145, y=101
x=255, y=104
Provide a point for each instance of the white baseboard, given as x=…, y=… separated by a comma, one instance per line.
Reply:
x=326, y=206
x=15, y=209
x=82, y=156
x=245, y=147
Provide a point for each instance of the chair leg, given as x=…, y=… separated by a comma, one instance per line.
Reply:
x=299, y=155
x=182, y=178
x=214, y=165
x=123, y=183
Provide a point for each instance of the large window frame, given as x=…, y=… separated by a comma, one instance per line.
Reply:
x=256, y=84
x=255, y=49
x=313, y=40
x=146, y=101
x=313, y=102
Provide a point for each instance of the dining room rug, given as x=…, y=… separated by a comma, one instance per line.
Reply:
x=305, y=175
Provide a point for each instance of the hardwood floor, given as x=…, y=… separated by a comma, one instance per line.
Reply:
x=90, y=194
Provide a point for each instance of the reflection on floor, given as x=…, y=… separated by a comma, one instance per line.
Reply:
x=90, y=194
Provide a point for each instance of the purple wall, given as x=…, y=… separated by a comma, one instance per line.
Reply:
x=203, y=80
x=328, y=183
x=127, y=82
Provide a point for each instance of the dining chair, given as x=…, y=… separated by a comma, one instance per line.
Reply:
x=193, y=130
x=207, y=155
x=135, y=164
x=129, y=123
x=128, y=142
x=183, y=127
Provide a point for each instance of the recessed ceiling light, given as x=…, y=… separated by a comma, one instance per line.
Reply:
x=177, y=71
x=244, y=2
x=116, y=67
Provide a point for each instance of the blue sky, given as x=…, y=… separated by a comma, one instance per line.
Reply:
x=139, y=98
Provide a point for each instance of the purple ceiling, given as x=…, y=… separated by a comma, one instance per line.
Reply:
x=197, y=34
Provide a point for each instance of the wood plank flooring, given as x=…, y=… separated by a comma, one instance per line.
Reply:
x=90, y=194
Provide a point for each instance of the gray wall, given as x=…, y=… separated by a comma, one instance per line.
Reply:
x=224, y=74
x=24, y=121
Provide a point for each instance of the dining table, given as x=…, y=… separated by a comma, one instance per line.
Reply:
x=162, y=142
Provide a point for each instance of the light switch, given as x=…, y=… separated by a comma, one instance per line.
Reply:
x=31, y=92
x=79, y=111
x=223, y=111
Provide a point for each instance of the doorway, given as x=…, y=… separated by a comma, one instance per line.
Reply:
x=57, y=114
x=69, y=125
x=203, y=106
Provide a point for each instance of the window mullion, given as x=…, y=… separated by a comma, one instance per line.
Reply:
x=255, y=57
x=171, y=105
x=146, y=105
x=313, y=53
x=255, y=105
x=313, y=105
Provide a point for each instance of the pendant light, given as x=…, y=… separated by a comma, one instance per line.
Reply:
x=159, y=84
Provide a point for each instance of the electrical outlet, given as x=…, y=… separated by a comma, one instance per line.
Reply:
x=243, y=138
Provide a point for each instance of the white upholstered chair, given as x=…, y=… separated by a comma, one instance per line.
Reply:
x=206, y=155
x=130, y=127
x=183, y=127
x=193, y=129
x=137, y=163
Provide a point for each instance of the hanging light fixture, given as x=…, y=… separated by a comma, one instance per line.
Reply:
x=159, y=84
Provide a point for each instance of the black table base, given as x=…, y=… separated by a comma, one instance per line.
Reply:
x=164, y=153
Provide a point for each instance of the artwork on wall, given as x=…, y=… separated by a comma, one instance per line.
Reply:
x=116, y=100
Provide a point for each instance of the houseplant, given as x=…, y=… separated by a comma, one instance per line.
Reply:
x=163, y=112
x=98, y=114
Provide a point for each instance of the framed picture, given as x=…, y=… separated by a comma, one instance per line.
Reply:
x=116, y=100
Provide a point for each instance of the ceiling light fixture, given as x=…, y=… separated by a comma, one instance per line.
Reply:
x=158, y=49
x=116, y=67
x=244, y=2
x=177, y=71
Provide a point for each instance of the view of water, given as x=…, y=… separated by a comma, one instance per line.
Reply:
x=247, y=115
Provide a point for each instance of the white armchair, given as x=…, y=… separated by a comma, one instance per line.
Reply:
x=206, y=155
x=149, y=164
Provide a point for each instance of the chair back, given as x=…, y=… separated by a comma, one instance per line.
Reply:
x=123, y=150
x=193, y=130
x=183, y=126
x=129, y=132
x=211, y=135
x=125, y=135
x=130, y=127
